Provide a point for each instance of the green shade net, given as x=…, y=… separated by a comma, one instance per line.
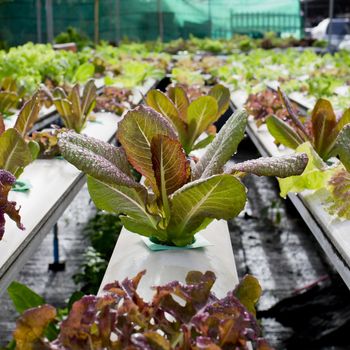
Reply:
x=22, y=20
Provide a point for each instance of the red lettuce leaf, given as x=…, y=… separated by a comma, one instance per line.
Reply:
x=121, y=319
x=7, y=207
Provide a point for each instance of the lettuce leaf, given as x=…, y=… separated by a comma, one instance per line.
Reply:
x=180, y=316
x=216, y=197
x=7, y=207
x=282, y=167
x=223, y=146
x=339, y=188
x=342, y=146
x=315, y=176
x=14, y=152
x=135, y=133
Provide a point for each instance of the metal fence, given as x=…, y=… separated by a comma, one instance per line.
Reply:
x=112, y=20
x=260, y=22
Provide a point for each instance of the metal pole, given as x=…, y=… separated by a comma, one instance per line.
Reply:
x=96, y=21
x=49, y=20
x=331, y=13
x=39, y=34
x=57, y=265
x=209, y=17
x=306, y=13
x=117, y=22
x=160, y=20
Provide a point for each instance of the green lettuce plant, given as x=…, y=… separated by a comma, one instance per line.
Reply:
x=190, y=118
x=74, y=109
x=322, y=131
x=15, y=151
x=10, y=95
x=176, y=200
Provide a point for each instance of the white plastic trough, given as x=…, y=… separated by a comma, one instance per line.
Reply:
x=131, y=256
x=332, y=234
x=55, y=182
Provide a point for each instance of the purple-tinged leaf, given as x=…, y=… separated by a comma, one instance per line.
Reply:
x=2, y=125
x=323, y=124
x=301, y=130
x=7, y=207
x=339, y=187
x=97, y=159
x=135, y=133
x=121, y=319
x=283, y=166
x=30, y=328
x=170, y=164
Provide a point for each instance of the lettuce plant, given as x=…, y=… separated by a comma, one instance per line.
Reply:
x=339, y=184
x=7, y=207
x=191, y=119
x=264, y=104
x=74, y=109
x=176, y=200
x=321, y=133
x=179, y=317
x=15, y=152
x=10, y=95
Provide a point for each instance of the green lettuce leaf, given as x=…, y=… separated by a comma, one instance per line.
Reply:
x=203, y=143
x=201, y=113
x=8, y=101
x=342, y=146
x=74, y=109
x=222, y=97
x=23, y=298
x=30, y=327
x=14, y=151
x=28, y=116
x=223, y=146
x=249, y=292
x=315, y=176
x=283, y=166
x=178, y=95
x=217, y=197
x=131, y=203
x=283, y=133
x=163, y=104
x=84, y=72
